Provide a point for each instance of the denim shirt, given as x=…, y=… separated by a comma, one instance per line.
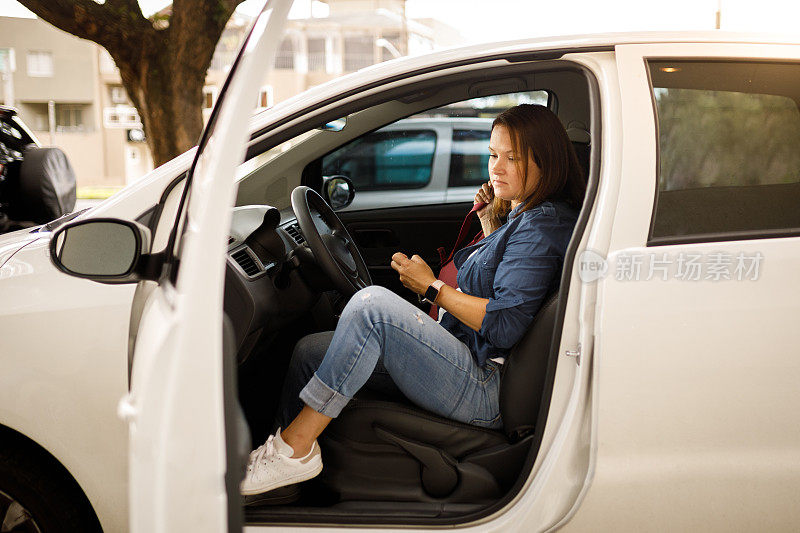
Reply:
x=515, y=267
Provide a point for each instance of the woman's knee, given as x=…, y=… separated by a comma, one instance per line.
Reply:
x=370, y=300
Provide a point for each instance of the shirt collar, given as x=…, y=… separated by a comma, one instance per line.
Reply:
x=514, y=212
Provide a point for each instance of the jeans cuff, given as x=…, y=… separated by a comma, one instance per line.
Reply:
x=323, y=399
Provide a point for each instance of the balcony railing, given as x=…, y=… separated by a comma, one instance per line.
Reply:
x=284, y=60
x=358, y=61
x=316, y=62
x=223, y=60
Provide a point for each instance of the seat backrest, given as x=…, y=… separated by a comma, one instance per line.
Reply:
x=524, y=373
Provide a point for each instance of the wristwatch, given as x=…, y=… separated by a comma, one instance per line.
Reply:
x=433, y=291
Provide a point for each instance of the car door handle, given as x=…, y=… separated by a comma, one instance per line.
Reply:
x=375, y=238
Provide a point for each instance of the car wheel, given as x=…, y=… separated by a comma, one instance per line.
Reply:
x=37, y=495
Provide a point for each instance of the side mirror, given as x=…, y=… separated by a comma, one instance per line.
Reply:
x=102, y=249
x=338, y=191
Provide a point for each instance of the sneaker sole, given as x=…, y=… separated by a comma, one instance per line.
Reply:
x=282, y=483
x=280, y=496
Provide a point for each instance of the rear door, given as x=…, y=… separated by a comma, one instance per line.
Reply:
x=180, y=426
x=696, y=351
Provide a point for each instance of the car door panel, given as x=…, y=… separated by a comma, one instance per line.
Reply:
x=419, y=229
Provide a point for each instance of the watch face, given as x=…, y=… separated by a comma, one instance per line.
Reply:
x=431, y=293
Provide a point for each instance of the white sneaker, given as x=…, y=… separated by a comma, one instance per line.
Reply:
x=271, y=466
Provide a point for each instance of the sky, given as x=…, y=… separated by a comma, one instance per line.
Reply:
x=499, y=20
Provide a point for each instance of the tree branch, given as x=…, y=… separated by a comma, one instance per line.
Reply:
x=73, y=16
x=111, y=25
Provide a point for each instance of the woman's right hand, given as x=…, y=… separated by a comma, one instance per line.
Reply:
x=485, y=195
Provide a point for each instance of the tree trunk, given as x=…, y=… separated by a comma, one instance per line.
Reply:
x=162, y=61
x=168, y=93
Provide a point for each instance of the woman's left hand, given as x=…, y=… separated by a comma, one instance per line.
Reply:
x=415, y=274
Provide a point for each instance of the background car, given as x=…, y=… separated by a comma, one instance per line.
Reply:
x=415, y=161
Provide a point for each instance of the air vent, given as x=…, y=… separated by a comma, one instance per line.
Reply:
x=246, y=262
x=294, y=233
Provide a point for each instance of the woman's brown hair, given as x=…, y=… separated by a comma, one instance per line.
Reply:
x=537, y=131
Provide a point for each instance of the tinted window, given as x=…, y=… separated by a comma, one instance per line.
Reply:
x=469, y=158
x=729, y=149
x=385, y=160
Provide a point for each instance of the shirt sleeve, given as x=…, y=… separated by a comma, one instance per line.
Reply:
x=528, y=269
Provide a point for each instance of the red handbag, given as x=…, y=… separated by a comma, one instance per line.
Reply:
x=449, y=272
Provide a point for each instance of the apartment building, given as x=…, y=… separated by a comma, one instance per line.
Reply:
x=355, y=34
x=68, y=92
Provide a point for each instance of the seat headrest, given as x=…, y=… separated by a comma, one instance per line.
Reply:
x=524, y=373
x=578, y=132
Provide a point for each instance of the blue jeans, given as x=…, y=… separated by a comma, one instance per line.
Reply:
x=384, y=343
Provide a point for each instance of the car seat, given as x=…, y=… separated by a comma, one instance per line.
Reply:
x=380, y=450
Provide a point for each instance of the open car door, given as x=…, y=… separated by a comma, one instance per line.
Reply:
x=180, y=479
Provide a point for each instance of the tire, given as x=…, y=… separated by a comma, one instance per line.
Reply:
x=38, y=495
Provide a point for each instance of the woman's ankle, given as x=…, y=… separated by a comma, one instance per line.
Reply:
x=300, y=446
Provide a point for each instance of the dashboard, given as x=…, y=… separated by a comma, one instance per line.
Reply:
x=271, y=279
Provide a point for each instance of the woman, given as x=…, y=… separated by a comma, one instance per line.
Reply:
x=451, y=368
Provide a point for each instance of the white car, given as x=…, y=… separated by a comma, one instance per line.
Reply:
x=415, y=161
x=657, y=390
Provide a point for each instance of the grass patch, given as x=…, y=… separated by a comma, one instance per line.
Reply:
x=96, y=193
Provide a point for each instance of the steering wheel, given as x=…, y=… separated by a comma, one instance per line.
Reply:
x=334, y=249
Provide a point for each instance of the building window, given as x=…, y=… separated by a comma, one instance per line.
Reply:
x=121, y=117
x=7, y=62
x=729, y=165
x=358, y=52
x=69, y=118
x=316, y=55
x=265, y=98
x=40, y=64
x=209, y=96
x=118, y=95
x=285, y=57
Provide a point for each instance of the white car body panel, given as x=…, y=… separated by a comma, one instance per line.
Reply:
x=51, y=381
x=60, y=383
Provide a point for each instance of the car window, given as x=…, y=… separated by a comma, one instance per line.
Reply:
x=728, y=137
x=383, y=160
x=469, y=158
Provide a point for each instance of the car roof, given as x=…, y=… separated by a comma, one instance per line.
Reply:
x=587, y=42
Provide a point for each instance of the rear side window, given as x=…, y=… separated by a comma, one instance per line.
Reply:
x=469, y=158
x=385, y=160
x=729, y=150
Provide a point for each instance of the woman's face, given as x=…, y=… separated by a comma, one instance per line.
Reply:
x=506, y=178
